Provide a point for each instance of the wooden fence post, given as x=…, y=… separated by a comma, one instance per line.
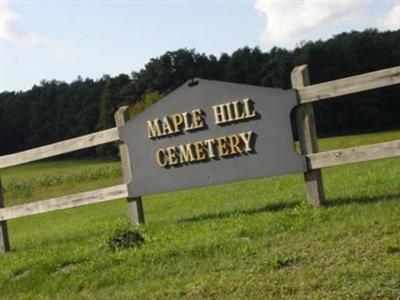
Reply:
x=135, y=206
x=4, y=241
x=307, y=134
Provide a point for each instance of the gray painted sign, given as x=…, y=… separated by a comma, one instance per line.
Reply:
x=208, y=133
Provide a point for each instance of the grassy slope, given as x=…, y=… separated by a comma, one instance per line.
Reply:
x=253, y=239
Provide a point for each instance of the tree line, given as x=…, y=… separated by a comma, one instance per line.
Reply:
x=55, y=110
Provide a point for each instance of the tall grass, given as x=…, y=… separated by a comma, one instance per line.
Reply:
x=19, y=189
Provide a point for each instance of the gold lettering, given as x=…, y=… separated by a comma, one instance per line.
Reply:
x=200, y=154
x=229, y=111
x=178, y=121
x=246, y=138
x=153, y=128
x=238, y=114
x=210, y=144
x=196, y=119
x=206, y=149
x=167, y=126
x=186, y=153
x=219, y=114
x=234, y=111
x=222, y=146
x=248, y=109
x=186, y=122
x=234, y=143
x=172, y=157
x=160, y=157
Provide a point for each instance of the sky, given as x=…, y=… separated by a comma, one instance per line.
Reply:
x=65, y=39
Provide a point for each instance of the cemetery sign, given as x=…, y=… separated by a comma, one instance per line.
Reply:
x=211, y=132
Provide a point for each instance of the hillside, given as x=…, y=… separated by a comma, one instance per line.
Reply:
x=254, y=239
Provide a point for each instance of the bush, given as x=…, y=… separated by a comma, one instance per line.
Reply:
x=121, y=235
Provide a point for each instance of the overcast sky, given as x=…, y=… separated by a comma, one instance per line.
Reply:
x=63, y=39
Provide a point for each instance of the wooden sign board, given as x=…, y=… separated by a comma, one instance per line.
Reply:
x=210, y=132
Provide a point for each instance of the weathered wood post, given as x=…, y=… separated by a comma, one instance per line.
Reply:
x=307, y=134
x=4, y=241
x=135, y=206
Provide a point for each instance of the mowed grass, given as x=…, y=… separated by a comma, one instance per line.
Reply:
x=255, y=239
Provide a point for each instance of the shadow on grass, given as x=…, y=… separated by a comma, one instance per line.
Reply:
x=339, y=201
x=279, y=206
x=271, y=207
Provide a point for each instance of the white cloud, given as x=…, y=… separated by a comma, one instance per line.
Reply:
x=7, y=19
x=289, y=22
x=12, y=30
x=391, y=21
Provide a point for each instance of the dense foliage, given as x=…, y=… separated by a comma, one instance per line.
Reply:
x=55, y=110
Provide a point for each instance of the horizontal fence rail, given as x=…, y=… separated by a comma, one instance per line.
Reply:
x=63, y=202
x=74, y=144
x=353, y=155
x=349, y=85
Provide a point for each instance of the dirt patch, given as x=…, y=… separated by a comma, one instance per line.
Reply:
x=20, y=275
x=125, y=239
x=68, y=268
x=393, y=250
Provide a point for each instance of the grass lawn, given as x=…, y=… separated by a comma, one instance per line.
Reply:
x=255, y=239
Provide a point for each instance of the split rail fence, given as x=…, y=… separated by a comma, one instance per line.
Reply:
x=307, y=94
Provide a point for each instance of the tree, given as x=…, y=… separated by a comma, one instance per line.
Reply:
x=54, y=110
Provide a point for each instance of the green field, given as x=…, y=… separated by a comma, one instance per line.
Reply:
x=256, y=239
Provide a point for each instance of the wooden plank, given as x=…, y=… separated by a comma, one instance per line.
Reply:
x=4, y=240
x=135, y=204
x=63, y=202
x=349, y=85
x=353, y=155
x=307, y=133
x=82, y=142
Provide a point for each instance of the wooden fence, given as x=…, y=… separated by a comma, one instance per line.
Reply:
x=307, y=94
x=135, y=209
